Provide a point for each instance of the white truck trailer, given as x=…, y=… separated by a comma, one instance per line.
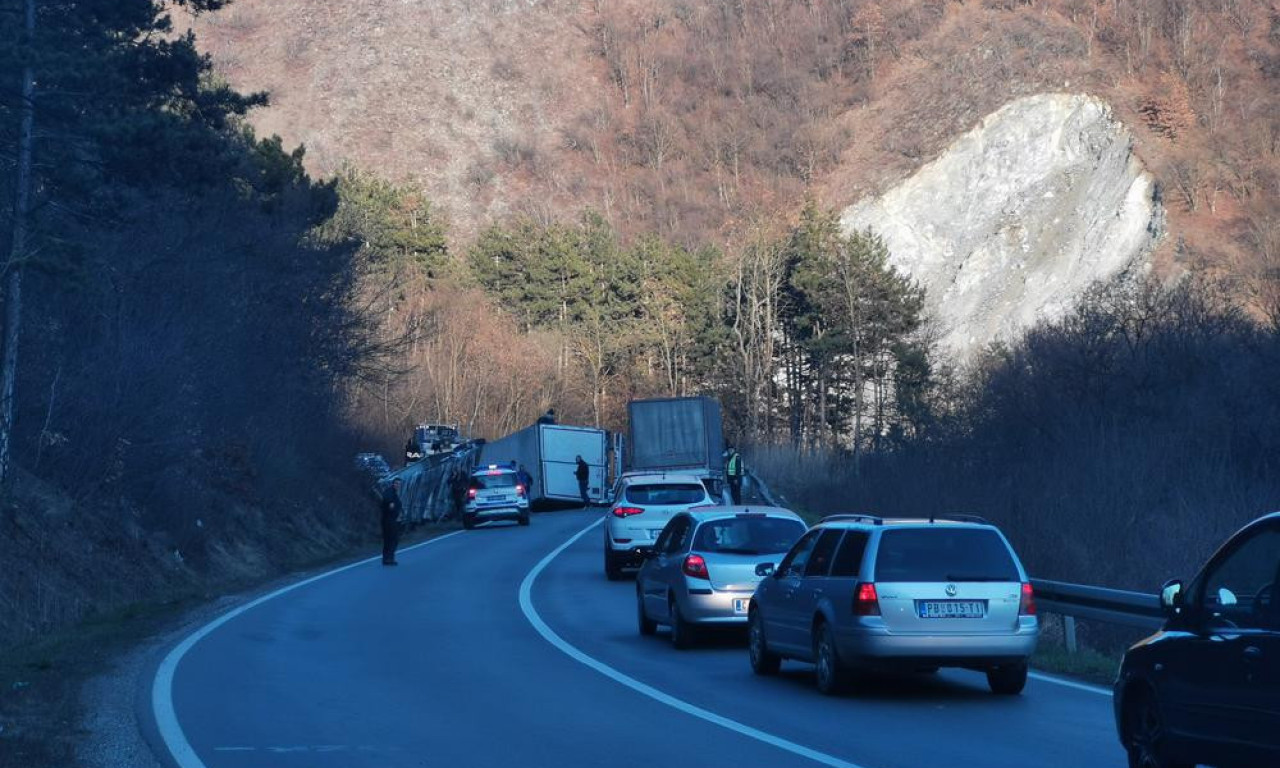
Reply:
x=549, y=452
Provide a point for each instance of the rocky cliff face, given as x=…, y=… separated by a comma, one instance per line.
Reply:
x=1018, y=216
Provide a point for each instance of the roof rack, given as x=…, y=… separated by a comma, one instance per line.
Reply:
x=853, y=518
x=958, y=517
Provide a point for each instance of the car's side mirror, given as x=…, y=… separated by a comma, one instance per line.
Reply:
x=1171, y=597
x=764, y=569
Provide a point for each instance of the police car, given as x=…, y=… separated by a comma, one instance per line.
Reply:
x=495, y=493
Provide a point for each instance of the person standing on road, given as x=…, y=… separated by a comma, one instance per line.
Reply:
x=524, y=478
x=583, y=473
x=391, y=507
x=458, y=482
x=734, y=471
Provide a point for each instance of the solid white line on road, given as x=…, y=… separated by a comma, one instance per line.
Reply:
x=531, y=613
x=1069, y=683
x=162, y=688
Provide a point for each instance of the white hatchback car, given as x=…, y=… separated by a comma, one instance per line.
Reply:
x=642, y=505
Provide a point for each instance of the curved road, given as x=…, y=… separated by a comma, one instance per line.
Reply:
x=435, y=663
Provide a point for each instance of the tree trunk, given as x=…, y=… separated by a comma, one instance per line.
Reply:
x=17, y=252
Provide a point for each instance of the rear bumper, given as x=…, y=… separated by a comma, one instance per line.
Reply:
x=715, y=608
x=498, y=513
x=871, y=644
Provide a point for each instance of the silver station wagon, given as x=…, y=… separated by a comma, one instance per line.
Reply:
x=705, y=564
x=914, y=595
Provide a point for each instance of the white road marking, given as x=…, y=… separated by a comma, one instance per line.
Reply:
x=162, y=687
x=1069, y=683
x=531, y=613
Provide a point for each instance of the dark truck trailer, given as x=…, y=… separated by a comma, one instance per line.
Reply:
x=549, y=451
x=676, y=433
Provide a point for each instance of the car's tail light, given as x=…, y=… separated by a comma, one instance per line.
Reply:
x=695, y=566
x=1028, y=605
x=627, y=511
x=865, y=601
x=471, y=493
x=519, y=490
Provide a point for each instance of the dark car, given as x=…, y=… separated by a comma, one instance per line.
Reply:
x=1205, y=689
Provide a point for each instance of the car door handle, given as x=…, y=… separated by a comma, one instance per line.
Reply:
x=1253, y=653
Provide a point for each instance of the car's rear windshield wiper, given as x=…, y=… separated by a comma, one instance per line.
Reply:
x=973, y=577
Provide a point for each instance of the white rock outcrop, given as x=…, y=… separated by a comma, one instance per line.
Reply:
x=1017, y=217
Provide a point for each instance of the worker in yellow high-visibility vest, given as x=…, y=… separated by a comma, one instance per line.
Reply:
x=734, y=471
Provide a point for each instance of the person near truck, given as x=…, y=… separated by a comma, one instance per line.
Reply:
x=391, y=507
x=583, y=473
x=549, y=417
x=734, y=471
x=524, y=478
x=459, y=481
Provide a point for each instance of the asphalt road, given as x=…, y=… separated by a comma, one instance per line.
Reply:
x=437, y=663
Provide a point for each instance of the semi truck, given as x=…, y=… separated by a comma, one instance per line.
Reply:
x=549, y=452
x=675, y=433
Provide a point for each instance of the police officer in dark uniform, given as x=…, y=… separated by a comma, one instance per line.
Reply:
x=583, y=473
x=391, y=507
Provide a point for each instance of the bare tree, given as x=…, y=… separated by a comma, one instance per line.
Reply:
x=17, y=249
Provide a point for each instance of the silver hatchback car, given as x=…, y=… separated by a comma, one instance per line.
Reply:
x=860, y=591
x=704, y=567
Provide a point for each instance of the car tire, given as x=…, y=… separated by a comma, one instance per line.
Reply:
x=1008, y=679
x=524, y=519
x=830, y=674
x=468, y=522
x=646, y=625
x=1144, y=730
x=683, y=634
x=763, y=661
x=612, y=568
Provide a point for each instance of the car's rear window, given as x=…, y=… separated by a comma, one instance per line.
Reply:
x=499, y=480
x=944, y=554
x=748, y=535
x=666, y=493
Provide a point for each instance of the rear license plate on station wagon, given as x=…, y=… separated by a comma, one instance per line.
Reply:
x=740, y=604
x=951, y=609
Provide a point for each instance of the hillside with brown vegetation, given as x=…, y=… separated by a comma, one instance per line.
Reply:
x=693, y=119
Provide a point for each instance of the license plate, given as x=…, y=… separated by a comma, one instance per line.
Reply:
x=740, y=604
x=952, y=609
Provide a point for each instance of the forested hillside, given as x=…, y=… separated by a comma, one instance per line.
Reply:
x=179, y=339
x=695, y=120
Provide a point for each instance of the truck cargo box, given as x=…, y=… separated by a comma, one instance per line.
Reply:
x=675, y=433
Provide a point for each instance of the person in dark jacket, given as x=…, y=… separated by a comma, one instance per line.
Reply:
x=549, y=417
x=391, y=507
x=458, y=483
x=524, y=478
x=583, y=473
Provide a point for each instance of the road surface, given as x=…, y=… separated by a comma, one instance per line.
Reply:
x=439, y=662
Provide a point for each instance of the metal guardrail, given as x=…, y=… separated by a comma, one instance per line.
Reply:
x=1113, y=606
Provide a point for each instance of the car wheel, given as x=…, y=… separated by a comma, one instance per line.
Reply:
x=830, y=674
x=524, y=519
x=1144, y=728
x=682, y=632
x=1008, y=680
x=468, y=522
x=647, y=625
x=612, y=569
x=763, y=661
